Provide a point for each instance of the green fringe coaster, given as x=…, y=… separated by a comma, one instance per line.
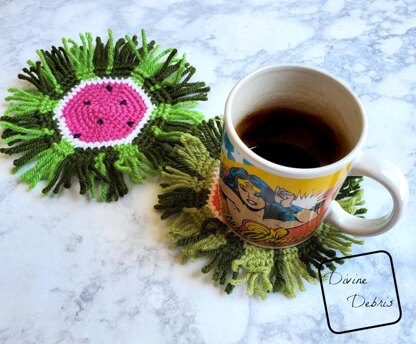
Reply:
x=195, y=226
x=98, y=112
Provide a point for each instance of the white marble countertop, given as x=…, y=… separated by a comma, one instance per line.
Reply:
x=74, y=271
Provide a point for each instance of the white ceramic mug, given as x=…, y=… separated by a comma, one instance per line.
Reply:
x=244, y=175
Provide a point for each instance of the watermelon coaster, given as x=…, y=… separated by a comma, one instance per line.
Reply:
x=99, y=112
x=190, y=203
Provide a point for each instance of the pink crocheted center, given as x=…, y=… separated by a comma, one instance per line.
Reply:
x=102, y=112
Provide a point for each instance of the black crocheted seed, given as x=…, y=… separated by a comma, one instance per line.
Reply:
x=87, y=102
x=100, y=122
x=130, y=123
x=109, y=88
x=77, y=135
x=123, y=102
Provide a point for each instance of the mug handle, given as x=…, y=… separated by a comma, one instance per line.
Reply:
x=388, y=175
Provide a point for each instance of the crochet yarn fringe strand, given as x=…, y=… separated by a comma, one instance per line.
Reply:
x=199, y=232
x=32, y=129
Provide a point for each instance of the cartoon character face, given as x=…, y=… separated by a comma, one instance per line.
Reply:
x=250, y=195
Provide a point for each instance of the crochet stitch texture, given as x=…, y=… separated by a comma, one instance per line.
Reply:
x=99, y=112
x=189, y=201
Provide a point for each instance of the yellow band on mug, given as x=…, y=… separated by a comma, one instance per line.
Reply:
x=270, y=210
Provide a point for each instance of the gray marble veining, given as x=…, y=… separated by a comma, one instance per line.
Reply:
x=74, y=271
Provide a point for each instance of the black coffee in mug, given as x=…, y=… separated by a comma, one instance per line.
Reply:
x=292, y=138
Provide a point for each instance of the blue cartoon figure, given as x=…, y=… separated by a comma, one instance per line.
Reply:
x=230, y=152
x=256, y=211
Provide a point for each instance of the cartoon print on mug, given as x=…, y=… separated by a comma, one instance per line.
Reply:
x=259, y=213
x=230, y=152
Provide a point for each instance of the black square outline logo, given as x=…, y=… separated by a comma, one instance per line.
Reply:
x=355, y=256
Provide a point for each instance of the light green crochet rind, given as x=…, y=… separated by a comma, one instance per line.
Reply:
x=187, y=223
x=197, y=231
x=25, y=102
x=33, y=129
x=47, y=163
x=255, y=265
x=196, y=157
x=82, y=57
x=133, y=162
x=211, y=242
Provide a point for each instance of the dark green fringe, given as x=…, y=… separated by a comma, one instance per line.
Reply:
x=351, y=187
x=61, y=67
x=81, y=163
x=195, y=230
x=210, y=134
x=37, y=78
x=56, y=74
x=222, y=258
x=125, y=61
x=124, y=58
x=173, y=202
x=311, y=253
x=178, y=93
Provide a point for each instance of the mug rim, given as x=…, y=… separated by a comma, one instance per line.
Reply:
x=272, y=167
